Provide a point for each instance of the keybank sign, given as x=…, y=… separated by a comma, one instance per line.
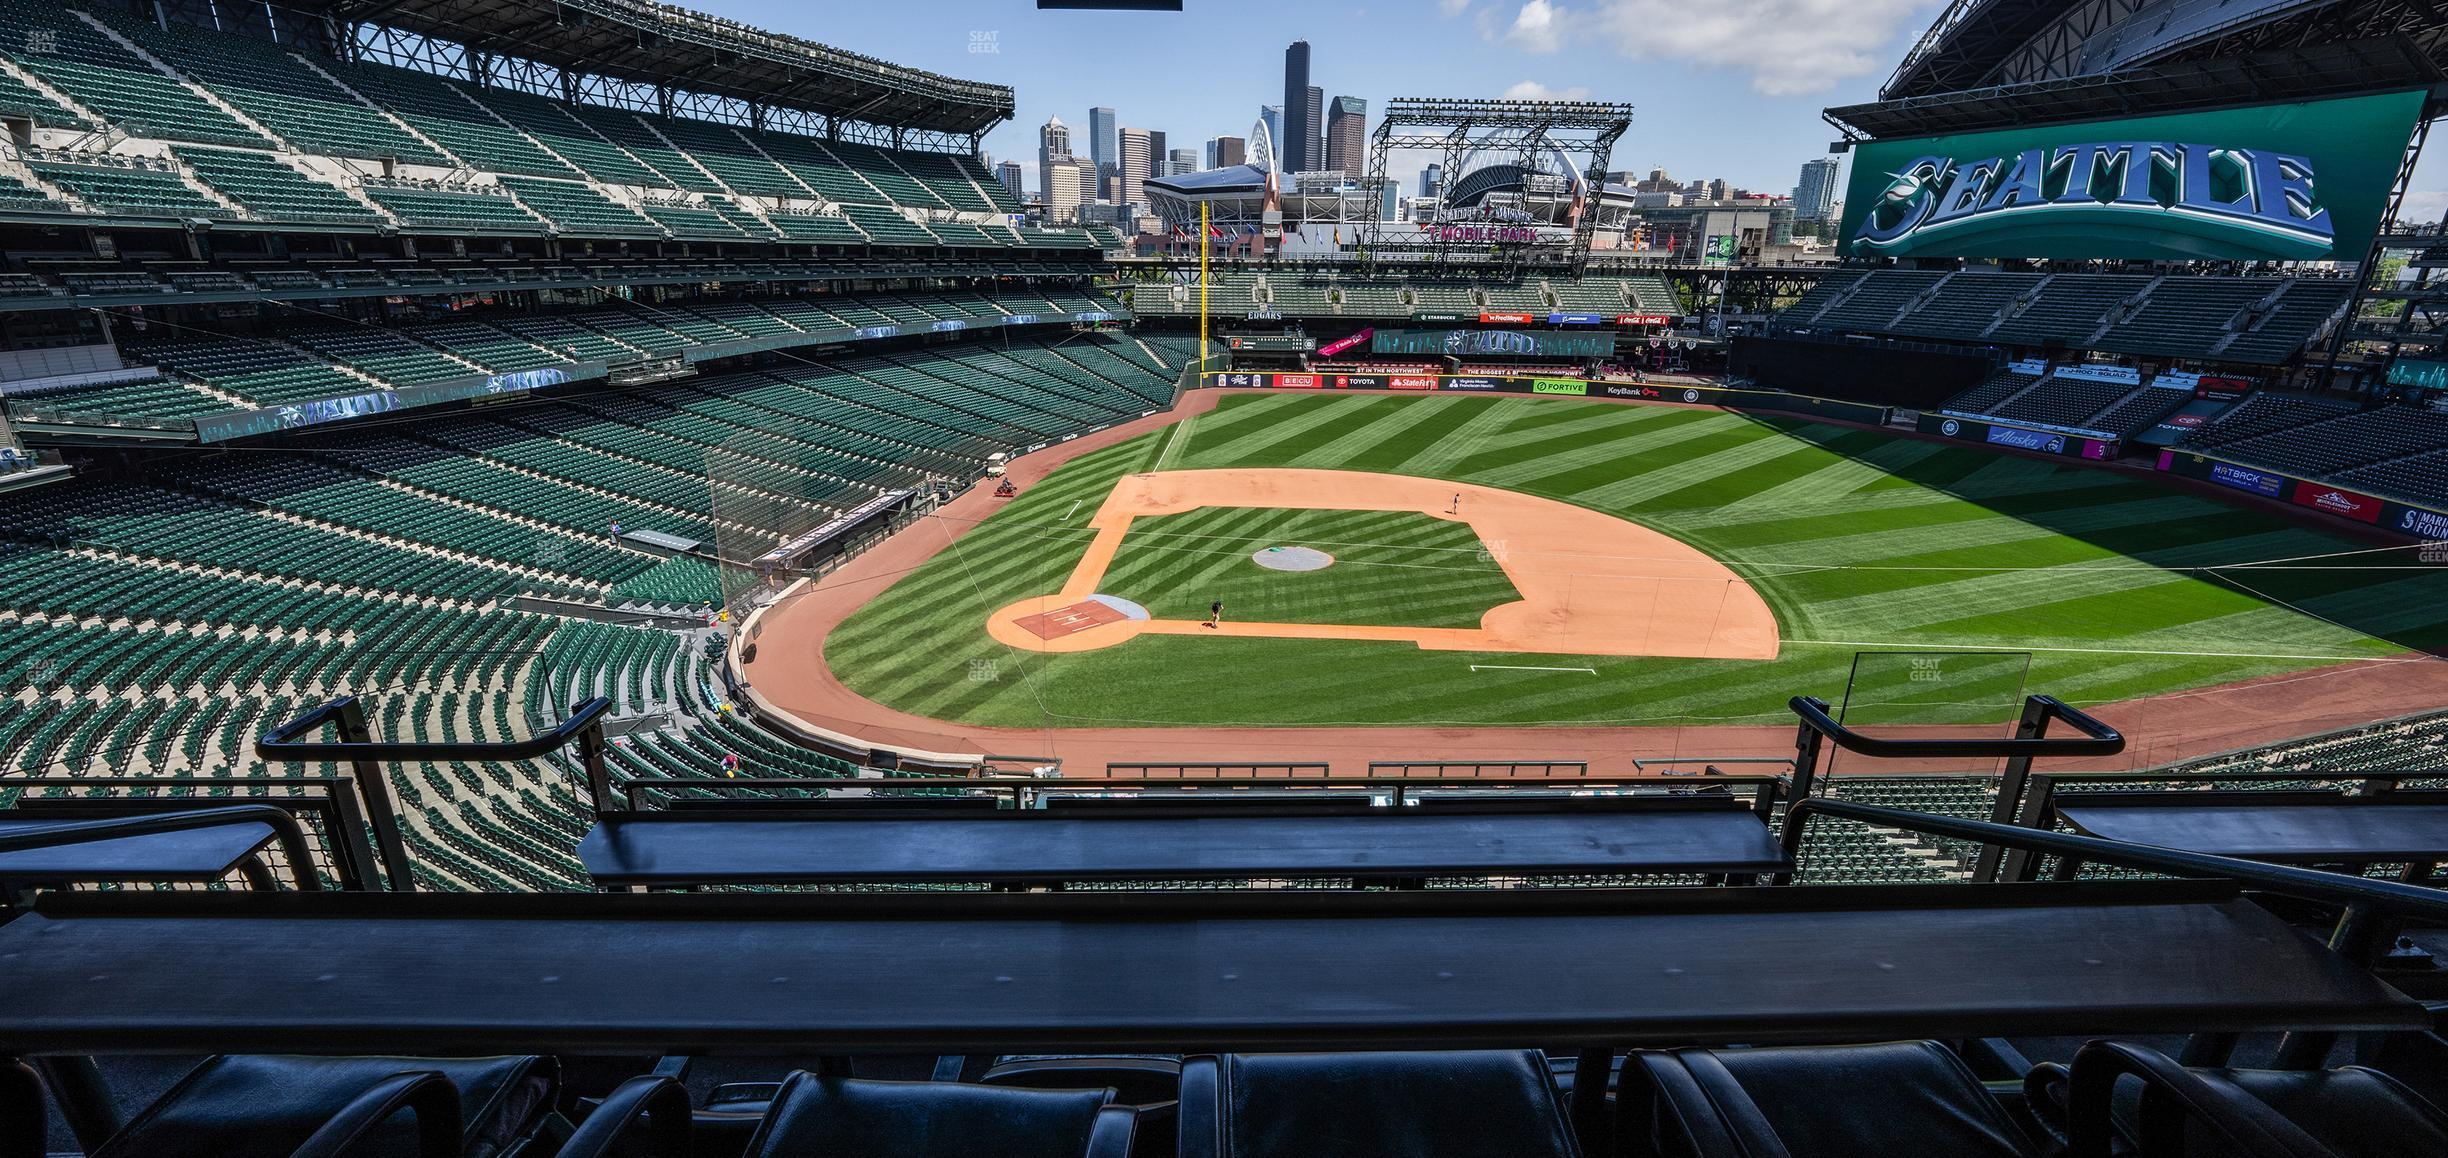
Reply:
x=2279, y=182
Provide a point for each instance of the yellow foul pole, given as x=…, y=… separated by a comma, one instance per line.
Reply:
x=1202, y=288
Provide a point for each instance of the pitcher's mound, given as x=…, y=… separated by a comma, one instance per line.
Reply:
x=1292, y=559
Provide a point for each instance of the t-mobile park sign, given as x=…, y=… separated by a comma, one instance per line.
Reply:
x=1486, y=224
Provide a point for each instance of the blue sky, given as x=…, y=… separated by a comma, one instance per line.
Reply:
x=1724, y=88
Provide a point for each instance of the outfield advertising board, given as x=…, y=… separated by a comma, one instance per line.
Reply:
x=2245, y=478
x=2027, y=439
x=1465, y=343
x=2418, y=522
x=2021, y=438
x=2372, y=510
x=1772, y=400
x=2297, y=182
x=2338, y=501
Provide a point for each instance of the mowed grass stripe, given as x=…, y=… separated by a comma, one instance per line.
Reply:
x=1426, y=449
x=1807, y=478
x=2098, y=562
x=1593, y=459
x=1522, y=440
x=1243, y=444
x=1722, y=476
x=1395, y=430
x=1613, y=432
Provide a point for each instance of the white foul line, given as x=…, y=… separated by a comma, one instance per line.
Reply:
x=1073, y=511
x=1515, y=667
x=2090, y=650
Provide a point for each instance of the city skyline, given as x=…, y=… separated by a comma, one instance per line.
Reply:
x=1066, y=63
x=1738, y=96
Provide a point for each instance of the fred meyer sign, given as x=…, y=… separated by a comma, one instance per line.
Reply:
x=2291, y=182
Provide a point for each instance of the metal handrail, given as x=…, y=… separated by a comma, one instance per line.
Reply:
x=282, y=743
x=2098, y=738
x=358, y=748
x=284, y=828
x=2306, y=884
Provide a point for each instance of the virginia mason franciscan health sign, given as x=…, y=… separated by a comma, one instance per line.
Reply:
x=2297, y=182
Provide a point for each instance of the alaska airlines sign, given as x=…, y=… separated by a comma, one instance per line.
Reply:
x=2294, y=182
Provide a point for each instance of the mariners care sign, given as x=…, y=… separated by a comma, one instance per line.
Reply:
x=2296, y=182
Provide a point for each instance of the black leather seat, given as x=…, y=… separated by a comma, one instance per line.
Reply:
x=2123, y=1098
x=1480, y=1104
x=1136, y=1080
x=857, y=1118
x=269, y=1104
x=1906, y=1097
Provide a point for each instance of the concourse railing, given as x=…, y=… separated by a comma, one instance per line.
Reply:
x=365, y=756
x=2030, y=741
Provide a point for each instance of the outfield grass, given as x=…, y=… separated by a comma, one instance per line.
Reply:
x=1857, y=539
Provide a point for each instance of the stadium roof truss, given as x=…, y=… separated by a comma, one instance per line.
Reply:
x=2276, y=73
x=1526, y=133
x=673, y=52
x=1983, y=44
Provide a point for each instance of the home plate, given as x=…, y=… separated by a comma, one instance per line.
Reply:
x=1073, y=618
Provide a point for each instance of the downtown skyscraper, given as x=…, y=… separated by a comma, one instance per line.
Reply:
x=1300, y=127
x=1347, y=137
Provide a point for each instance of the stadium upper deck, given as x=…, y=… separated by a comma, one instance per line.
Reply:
x=120, y=121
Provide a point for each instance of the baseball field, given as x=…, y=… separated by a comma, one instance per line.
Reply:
x=1461, y=560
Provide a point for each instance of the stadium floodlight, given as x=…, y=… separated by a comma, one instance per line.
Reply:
x=1568, y=141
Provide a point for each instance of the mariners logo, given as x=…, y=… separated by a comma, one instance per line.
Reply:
x=2111, y=196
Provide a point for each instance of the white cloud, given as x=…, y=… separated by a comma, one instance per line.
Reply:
x=1451, y=8
x=1531, y=90
x=1789, y=47
x=2423, y=205
x=1538, y=27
